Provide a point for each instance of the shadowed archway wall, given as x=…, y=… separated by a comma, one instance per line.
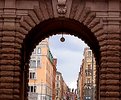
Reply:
x=24, y=23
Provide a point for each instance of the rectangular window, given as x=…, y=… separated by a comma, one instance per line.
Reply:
x=89, y=53
x=32, y=89
x=57, y=85
x=32, y=75
x=88, y=80
x=57, y=93
x=89, y=66
x=86, y=72
x=39, y=50
x=38, y=63
x=57, y=77
x=32, y=63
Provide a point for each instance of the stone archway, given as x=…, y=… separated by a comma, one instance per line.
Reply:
x=87, y=24
x=22, y=28
x=84, y=29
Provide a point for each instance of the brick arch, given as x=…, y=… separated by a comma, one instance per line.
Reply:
x=89, y=25
x=36, y=24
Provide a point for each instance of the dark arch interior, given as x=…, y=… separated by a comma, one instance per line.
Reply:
x=55, y=26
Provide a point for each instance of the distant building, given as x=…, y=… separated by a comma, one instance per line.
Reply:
x=73, y=95
x=54, y=80
x=42, y=73
x=61, y=87
x=80, y=84
x=86, y=84
x=65, y=90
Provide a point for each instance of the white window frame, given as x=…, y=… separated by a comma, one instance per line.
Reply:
x=38, y=50
x=35, y=64
x=34, y=88
x=33, y=76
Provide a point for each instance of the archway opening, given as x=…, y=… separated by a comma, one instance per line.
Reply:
x=57, y=26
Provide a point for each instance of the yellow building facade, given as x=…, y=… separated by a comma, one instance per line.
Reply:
x=42, y=73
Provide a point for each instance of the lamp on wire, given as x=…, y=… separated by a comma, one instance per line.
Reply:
x=62, y=39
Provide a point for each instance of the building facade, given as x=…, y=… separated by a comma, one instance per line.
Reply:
x=42, y=73
x=54, y=80
x=72, y=94
x=65, y=90
x=61, y=87
x=87, y=75
x=80, y=84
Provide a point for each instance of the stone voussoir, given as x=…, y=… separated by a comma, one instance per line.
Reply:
x=29, y=21
x=32, y=14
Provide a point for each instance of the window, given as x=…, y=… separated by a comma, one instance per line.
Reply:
x=32, y=63
x=89, y=67
x=89, y=70
x=88, y=98
x=32, y=75
x=88, y=80
x=57, y=77
x=39, y=50
x=89, y=53
x=57, y=85
x=89, y=74
x=32, y=89
x=43, y=97
x=86, y=72
x=38, y=63
x=57, y=92
x=88, y=87
x=34, y=52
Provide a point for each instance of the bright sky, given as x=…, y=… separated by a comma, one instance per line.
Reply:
x=69, y=56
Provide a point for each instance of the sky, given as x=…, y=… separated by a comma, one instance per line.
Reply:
x=69, y=56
